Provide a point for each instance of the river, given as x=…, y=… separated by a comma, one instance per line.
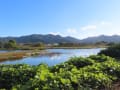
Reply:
x=59, y=56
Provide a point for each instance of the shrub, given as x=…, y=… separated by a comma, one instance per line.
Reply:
x=80, y=61
x=113, y=51
x=11, y=75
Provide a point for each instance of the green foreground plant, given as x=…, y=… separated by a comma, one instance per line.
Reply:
x=96, y=72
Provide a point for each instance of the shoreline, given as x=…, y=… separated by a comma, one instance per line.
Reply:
x=14, y=54
x=75, y=47
x=19, y=55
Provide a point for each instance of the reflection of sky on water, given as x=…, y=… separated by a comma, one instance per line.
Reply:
x=3, y=51
x=55, y=57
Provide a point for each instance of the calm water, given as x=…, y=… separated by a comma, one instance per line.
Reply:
x=3, y=51
x=59, y=56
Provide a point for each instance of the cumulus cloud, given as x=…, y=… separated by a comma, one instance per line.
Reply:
x=71, y=31
x=89, y=27
x=101, y=27
x=105, y=23
x=55, y=33
x=96, y=26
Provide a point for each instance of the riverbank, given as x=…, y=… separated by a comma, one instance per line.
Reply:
x=74, y=47
x=78, y=47
x=21, y=54
x=86, y=46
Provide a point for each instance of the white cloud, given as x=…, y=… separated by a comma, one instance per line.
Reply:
x=96, y=26
x=99, y=28
x=105, y=23
x=55, y=33
x=89, y=27
x=71, y=31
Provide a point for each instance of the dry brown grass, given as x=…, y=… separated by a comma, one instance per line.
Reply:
x=19, y=55
x=12, y=55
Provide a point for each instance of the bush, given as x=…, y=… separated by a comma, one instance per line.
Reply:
x=113, y=51
x=11, y=75
x=80, y=61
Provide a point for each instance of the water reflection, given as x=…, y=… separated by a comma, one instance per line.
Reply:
x=55, y=56
x=3, y=51
x=50, y=54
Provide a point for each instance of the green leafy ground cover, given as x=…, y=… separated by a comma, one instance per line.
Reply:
x=97, y=72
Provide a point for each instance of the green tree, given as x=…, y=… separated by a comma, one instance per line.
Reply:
x=38, y=45
x=1, y=44
x=11, y=44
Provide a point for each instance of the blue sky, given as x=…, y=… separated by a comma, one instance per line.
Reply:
x=77, y=18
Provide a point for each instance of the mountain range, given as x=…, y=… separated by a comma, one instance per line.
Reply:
x=50, y=39
x=105, y=38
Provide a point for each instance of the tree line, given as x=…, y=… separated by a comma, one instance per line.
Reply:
x=11, y=44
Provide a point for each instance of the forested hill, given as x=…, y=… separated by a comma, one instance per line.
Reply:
x=34, y=38
x=49, y=38
x=105, y=38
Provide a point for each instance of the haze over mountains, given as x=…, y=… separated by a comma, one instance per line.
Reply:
x=105, y=38
x=50, y=39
